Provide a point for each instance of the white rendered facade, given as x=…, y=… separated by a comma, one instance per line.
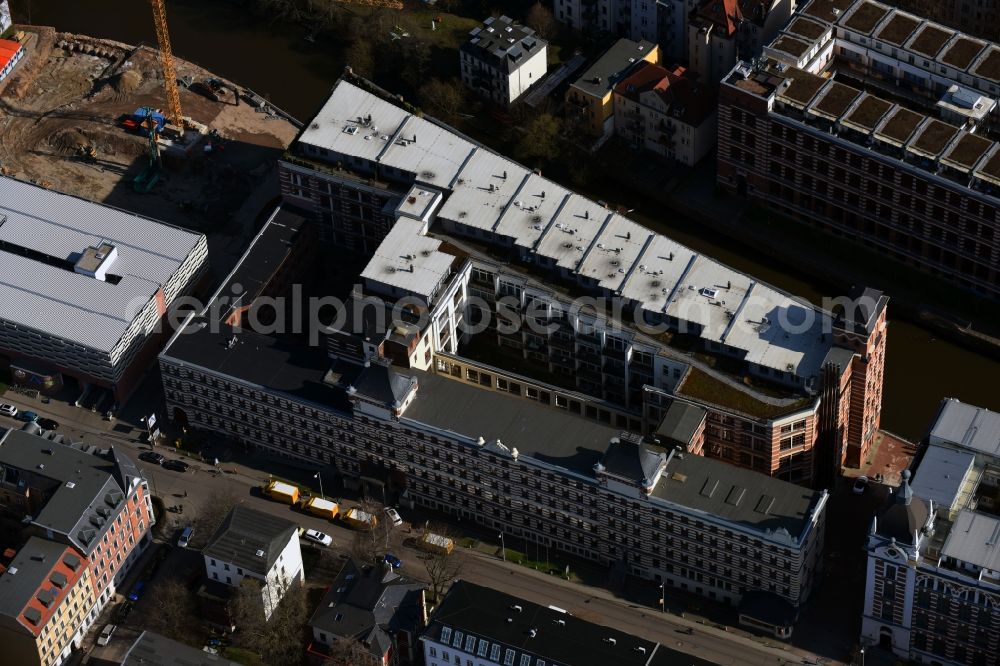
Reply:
x=286, y=571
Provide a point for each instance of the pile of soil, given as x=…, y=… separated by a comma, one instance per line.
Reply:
x=66, y=141
x=125, y=84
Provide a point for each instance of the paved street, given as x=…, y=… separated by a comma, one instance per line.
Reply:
x=190, y=489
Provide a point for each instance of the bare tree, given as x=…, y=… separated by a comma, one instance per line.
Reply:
x=370, y=544
x=541, y=20
x=443, y=99
x=172, y=605
x=269, y=638
x=361, y=57
x=347, y=652
x=211, y=512
x=442, y=566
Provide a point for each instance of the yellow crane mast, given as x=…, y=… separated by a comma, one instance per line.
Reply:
x=167, y=64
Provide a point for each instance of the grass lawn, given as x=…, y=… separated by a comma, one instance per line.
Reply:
x=451, y=33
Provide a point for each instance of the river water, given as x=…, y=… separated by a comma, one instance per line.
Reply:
x=297, y=75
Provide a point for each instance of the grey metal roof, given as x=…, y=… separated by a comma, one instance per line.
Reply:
x=369, y=603
x=28, y=571
x=486, y=614
x=55, y=300
x=629, y=458
x=380, y=383
x=503, y=42
x=967, y=426
x=87, y=487
x=739, y=495
x=941, y=474
x=155, y=650
x=974, y=538
x=612, y=66
x=544, y=433
x=245, y=533
x=681, y=422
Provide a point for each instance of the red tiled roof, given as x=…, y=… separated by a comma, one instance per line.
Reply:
x=677, y=87
x=727, y=14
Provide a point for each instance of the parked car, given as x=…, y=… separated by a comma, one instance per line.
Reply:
x=185, y=537
x=393, y=561
x=8, y=410
x=122, y=612
x=176, y=465
x=860, y=485
x=27, y=417
x=106, y=633
x=393, y=516
x=152, y=457
x=137, y=591
x=318, y=537
x=47, y=424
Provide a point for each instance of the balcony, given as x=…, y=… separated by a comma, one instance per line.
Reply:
x=611, y=352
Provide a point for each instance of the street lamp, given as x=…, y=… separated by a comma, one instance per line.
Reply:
x=503, y=548
x=318, y=476
x=663, y=596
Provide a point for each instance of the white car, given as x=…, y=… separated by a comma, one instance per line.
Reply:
x=8, y=410
x=393, y=516
x=185, y=539
x=106, y=633
x=318, y=537
x=860, y=485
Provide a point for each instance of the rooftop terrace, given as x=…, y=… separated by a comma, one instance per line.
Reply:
x=835, y=100
x=865, y=17
x=929, y=41
x=898, y=29
x=899, y=127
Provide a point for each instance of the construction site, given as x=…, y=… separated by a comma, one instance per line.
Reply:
x=133, y=127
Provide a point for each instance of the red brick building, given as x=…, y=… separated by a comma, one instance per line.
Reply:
x=814, y=131
x=95, y=506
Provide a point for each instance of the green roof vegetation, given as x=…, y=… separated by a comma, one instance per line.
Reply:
x=700, y=385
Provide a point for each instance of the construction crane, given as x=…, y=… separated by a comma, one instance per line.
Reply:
x=167, y=64
x=390, y=4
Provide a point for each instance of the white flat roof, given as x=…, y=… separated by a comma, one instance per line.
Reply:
x=61, y=303
x=579, y=235
x=967, y=426
x=409, y=261
x=540, y=200
x=342, y=124
x=431, y=152
x=574, y=229
x=482, y=190
x=705, y=293
x=616, y=252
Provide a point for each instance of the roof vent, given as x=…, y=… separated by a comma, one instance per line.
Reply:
x=260, y=553
x=561, y=623
x=516, y=608
x=533, y=633
x=611, y=641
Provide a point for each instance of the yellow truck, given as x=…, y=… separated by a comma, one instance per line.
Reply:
x=360, y=520
x=323, y=508
x=435, y=543
x=282, y=492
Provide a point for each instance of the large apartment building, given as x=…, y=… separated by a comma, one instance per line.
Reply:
x=933, y=577
x=481, y=625
x=45, y=594
x=478, y=444
x=86, y=515
x=764, y=360
x=590, y=98
x=85, y=287
x=877, y=126
x=502, y=59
